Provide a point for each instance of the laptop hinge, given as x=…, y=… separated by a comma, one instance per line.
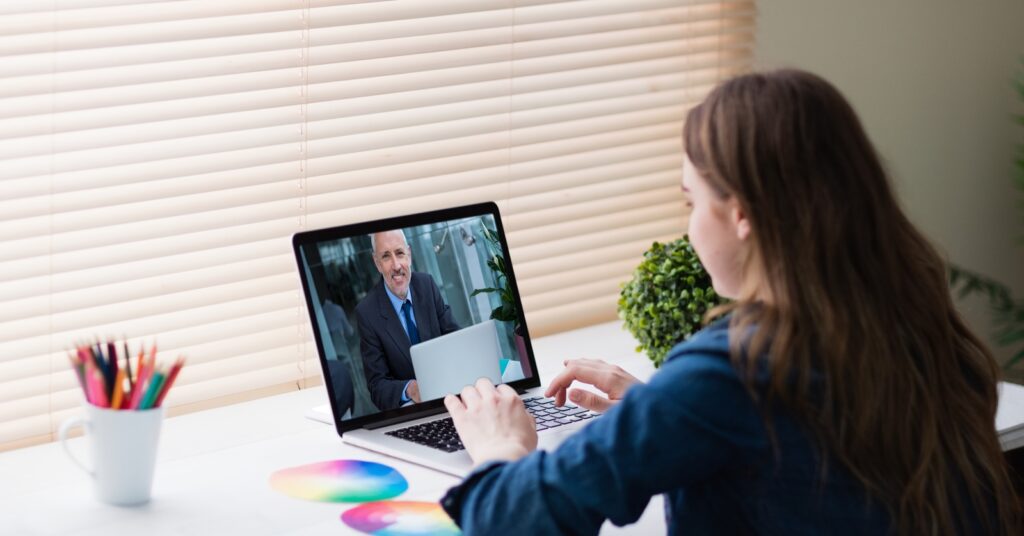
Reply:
x=404, y=418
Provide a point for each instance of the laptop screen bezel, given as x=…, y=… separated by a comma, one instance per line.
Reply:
x=423, y=409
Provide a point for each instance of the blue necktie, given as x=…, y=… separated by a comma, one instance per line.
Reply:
x=414, y=334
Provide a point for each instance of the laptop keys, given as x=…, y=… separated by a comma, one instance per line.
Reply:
x=441, y=434
x=438, y=434
x=548, y=415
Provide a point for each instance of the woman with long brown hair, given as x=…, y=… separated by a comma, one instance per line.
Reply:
x=839, y=392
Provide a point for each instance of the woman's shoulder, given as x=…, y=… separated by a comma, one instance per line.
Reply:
x=705, y=358
x=702, y=364
x=700, y=389
x=709, y=345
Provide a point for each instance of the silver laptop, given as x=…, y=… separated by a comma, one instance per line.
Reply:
x=453, y=268
x=446, y=364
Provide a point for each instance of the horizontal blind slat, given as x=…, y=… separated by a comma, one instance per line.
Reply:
x=582, y=242
x=568, y=228
x=538, y=286
x=587, y=311
x=583, y=204
x=528, y=270
x=78, y=325
x=156, y=288
x=150, y=269
x=238, y=320
x=574, y=293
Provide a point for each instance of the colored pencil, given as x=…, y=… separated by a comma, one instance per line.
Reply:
x=139, y=380
x=141, y=385
x=99, y=395
x=118, y=394
x=128, y=366
x=96, y=355
x=112, y=357
x=169, y=381
x=87, y=371
x=90, y=368
x=152, y=390
x=145, y=378
x=79, y=371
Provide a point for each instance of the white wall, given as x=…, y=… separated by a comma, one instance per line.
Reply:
x=931, y=79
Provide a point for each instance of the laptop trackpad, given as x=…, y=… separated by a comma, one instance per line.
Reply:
x=550, y=439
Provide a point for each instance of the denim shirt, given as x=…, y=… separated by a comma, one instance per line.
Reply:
x=694, y=434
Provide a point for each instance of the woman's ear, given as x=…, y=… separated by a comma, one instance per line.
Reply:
x=740, y=223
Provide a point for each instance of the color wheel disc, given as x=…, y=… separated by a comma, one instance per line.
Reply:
x=400, y=518
x=340, y=481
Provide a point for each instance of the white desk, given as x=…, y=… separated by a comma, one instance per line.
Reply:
x=213, y=469
x=213, y=466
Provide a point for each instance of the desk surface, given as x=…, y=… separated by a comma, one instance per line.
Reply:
x=214, y=466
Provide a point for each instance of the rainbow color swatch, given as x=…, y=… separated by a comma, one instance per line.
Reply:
x=340, y=481
x=401, y=518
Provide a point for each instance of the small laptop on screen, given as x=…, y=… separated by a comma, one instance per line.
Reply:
x=450, y=362
x=409, y=308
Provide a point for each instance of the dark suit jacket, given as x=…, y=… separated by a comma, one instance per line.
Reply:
x=383, y=343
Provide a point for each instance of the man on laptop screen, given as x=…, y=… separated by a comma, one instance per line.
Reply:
x=403, y=309
x=431, y=295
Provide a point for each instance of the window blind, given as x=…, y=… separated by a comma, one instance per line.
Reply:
x=156, y=156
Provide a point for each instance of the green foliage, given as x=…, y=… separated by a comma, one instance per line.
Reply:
x=666, y=300
x=1007, y=313
x=507, y=311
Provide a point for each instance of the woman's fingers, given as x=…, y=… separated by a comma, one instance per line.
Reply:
x=591, y=401
x=455, y=406
x=596, y=373
x=480, y=393
x=470, y=397
x=507, y=393
x=571, y=373
x=586, y=361
x=613, y=381
x=488, y=395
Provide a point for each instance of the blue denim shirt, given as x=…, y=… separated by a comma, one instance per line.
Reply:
x=694, y=434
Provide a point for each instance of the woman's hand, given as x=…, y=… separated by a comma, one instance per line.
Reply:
x=609, y=379
x=492, y=422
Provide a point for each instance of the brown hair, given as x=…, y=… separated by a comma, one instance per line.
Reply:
x=904, y=396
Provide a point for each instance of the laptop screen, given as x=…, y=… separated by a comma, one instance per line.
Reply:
x=390, y=302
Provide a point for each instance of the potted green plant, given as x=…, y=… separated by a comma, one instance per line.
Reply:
x=665, y=301
x=507, y=309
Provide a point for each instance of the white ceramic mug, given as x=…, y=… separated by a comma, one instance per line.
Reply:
x=123, y=446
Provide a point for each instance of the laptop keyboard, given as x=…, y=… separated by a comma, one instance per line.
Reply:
x=441, y=434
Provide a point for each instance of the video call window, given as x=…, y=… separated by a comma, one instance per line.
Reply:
x=454, y=279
